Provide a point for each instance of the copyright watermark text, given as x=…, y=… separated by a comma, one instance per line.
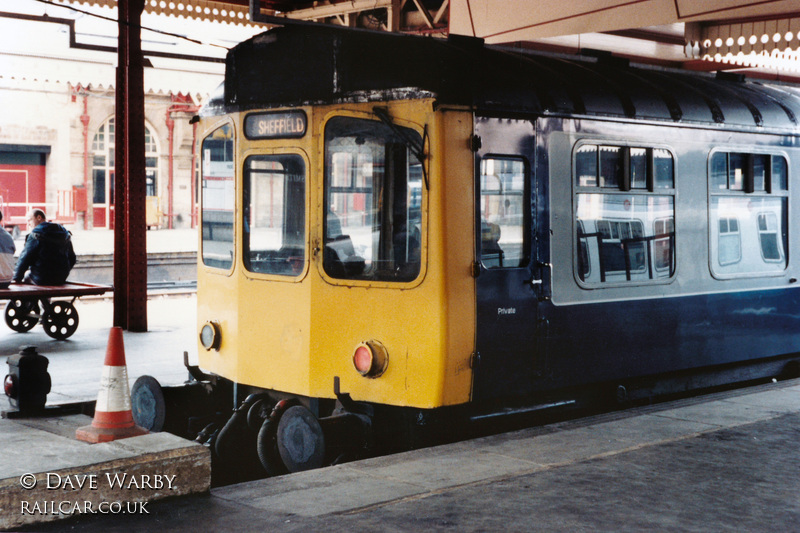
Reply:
x=122, y=481
x=67, y=494
x=66, y=507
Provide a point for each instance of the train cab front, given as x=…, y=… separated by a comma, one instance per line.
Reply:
x=327, y=293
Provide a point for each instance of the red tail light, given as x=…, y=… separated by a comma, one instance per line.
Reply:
x=370, y=359
x=363, y=359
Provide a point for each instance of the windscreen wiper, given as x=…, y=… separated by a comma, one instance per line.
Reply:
x=415, y=147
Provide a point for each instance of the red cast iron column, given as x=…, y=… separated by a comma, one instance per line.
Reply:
x=130, y=247
x=87, y=169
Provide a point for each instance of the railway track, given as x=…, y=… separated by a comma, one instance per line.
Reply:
x=165, y=271
x=172, y=286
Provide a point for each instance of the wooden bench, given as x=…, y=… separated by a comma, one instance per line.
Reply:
x=28, y=304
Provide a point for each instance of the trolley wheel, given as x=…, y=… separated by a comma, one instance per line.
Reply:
x=147, y=403
x=21, y=315
x=60, y=321
x=301, y=443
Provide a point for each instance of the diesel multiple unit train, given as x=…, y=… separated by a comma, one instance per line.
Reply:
x=401, y=234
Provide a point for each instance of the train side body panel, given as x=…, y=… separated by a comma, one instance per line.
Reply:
x=698, y=318
x=458, y=202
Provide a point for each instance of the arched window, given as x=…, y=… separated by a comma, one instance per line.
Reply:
x=150, y=163
x=103, y=170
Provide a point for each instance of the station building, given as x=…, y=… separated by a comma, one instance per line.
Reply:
x=57, y=93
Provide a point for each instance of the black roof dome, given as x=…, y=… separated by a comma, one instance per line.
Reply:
x=297, y=65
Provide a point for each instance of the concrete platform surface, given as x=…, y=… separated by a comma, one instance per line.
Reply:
x=723, y=462
x=46, y=474
x=76, y=364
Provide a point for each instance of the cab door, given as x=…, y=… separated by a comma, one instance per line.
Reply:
x=508, y=282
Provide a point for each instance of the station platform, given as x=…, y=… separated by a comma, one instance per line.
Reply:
x=721, y=462
x=46, y=448
x=47, y=474
x=172, y=256
x=101, y=241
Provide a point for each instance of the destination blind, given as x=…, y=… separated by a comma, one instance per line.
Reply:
x=275, y=125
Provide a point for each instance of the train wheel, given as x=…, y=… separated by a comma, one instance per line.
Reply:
x=301, y=443
x=147, y=403
x=60, y=321
x=21, y=315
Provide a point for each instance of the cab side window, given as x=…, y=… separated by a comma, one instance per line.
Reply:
x=504, y=240
x=218, y=198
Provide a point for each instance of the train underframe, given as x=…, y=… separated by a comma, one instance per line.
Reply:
x=254, y=433
x=271, y=433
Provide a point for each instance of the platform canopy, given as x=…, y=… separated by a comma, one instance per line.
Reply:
x=391, y=15
x=761, y=37
x=726, y=33
x=521, y=20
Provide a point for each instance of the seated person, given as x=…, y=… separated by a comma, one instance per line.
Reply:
x=48, y=252
x=7, y=249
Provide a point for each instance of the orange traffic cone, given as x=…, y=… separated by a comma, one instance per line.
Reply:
x=112, y=413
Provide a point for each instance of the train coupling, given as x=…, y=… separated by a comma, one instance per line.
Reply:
x=289, y=437
x=195, y=374
x=350, y=405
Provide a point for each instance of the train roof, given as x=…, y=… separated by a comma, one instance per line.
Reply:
x=299, y=65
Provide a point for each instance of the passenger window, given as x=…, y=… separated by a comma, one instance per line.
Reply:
x=748, y=214
x=779, y=174
x=760, y=166
x=610, y=166
x=771, y=249
x=503, y=235
x=664, y=233
x=586, y=166
x=730, y=242
x=638, y=168
x=218, y=198
x=736, y=171
x=373, y=201
x=584, y=265
x=625, y=231
x=621, y=245
x=663, y=169
x=718, y=174
x=274, y=214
